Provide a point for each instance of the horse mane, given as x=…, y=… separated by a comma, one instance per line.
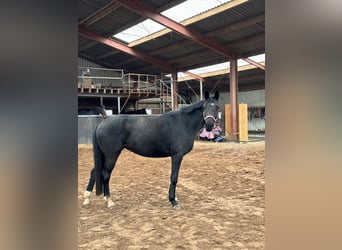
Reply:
x=192, y=107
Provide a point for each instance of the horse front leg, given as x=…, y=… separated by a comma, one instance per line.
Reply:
x=175, y=165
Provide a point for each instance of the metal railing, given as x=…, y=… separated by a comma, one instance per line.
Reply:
x=166, y=90
x=140, y=83
x=89, y=77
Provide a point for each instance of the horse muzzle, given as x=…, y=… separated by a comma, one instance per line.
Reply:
x=209, y=122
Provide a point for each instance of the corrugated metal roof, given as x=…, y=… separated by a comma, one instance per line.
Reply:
x=178, y=13
x=233, y=27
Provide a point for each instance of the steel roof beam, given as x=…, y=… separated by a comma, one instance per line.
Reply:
x=205, y=54
x=191, y=20
x=226, y=29
x=178, y=60
x=133, y=52
x=124, y=48
x=141, y=9
x=101, y=13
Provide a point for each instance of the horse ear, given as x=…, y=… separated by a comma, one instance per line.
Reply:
x=217, y=95
x=206, y=95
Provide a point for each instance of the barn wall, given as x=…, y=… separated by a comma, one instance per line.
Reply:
x=254, y=98
x=85, y=63
x=86, y=126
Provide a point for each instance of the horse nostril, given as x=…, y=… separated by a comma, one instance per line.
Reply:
x=209, y=127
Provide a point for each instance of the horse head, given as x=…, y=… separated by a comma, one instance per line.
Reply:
x=210, y=110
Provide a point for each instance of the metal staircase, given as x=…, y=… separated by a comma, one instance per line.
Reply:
x=166, y=94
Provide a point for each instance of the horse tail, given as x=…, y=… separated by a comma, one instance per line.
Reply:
x=99, y=160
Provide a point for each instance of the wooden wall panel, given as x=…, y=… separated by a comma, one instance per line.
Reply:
x=243, y=122
x=227, y=120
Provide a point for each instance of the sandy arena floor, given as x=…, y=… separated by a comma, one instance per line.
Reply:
x=221, y=188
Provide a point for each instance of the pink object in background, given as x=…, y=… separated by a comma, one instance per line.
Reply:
x=212, y=134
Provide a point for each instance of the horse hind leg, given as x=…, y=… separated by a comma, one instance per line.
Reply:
x=106, y=173
x=89, y=188
x=86, y=196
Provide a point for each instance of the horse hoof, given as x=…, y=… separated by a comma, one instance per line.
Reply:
x=86, y=194
x=86, y=202
x=177, y=206
x=110, y=204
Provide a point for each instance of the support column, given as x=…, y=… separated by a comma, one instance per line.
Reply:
x=119, y=105
x=101, y=101
x=174, y=80
x=201, y=90
x=234, y=107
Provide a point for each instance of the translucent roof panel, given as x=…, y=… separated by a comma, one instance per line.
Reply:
x=138, y=31
x=258, y=58
x=191, y=8
x=178, y=13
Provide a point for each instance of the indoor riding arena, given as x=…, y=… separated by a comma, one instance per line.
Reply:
x=198, y=68
x=221, y=189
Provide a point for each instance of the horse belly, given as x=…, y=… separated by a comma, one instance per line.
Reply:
x=148, y=150
x=144, y=138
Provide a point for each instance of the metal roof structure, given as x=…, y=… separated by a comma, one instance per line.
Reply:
x=235, y=27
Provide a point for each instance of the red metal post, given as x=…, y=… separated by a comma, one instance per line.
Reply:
x=234, y=106
x=175, y=90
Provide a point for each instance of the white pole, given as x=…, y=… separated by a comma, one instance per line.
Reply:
x=119, y=108
x=172, y=93
x=201, y=90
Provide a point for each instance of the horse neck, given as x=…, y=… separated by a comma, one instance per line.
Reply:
x=194, y=120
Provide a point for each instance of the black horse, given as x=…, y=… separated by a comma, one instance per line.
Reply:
x=171, y=134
